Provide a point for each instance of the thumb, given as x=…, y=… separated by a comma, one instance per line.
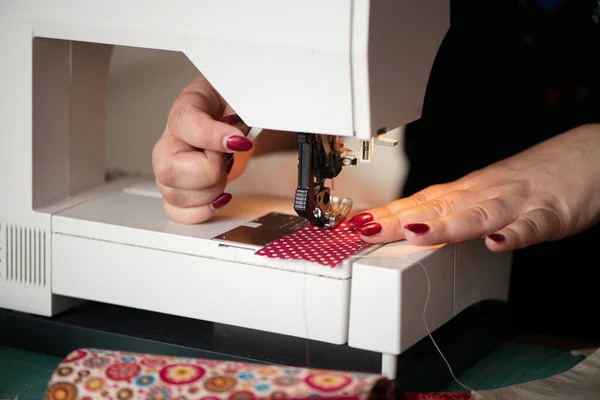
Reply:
x=231, y=118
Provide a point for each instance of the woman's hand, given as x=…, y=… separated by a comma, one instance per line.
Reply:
x=193, y=157
x=546, y=193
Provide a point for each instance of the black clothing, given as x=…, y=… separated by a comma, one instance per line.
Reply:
x=509, y=75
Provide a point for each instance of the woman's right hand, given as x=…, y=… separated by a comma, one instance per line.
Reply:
x=192, y=158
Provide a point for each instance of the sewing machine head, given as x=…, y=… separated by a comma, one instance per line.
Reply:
x=328, y=71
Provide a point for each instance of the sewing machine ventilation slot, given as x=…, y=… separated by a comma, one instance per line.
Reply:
x=23, y=255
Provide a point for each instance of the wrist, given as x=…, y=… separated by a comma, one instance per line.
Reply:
x=588, y=137
x=590, y=144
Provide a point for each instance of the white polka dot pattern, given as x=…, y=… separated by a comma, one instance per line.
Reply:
x=320, y=245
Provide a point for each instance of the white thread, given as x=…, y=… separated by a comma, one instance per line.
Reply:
x=473, y=392
x=304, y=308
x=307, y=340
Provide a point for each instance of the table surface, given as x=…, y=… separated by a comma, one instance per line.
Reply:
x=24, y=374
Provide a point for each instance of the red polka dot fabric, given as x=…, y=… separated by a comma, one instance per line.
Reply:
x=324, y=246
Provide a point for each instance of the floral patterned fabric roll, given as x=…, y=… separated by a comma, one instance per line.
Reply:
x=89, y=374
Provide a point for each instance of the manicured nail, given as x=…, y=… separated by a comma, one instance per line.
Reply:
x=497, y=237
x=418, y=229
x=371, y=229
x=360, y=219
x=238, y=143
x=221, y=201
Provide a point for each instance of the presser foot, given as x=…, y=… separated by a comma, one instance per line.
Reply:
x=320, y=157
x=327, y=211
x=338, y=211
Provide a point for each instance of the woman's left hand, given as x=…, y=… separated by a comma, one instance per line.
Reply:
x=548, y=192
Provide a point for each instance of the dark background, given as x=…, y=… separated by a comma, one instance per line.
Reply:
x=511, y=74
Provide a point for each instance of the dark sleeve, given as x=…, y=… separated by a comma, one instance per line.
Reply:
x=593, y=72
x=505, y=78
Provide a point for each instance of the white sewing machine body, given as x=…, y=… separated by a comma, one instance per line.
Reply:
x=344, y=67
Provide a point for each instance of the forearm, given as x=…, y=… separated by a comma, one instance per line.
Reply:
x=591, y=149
x=580, y=163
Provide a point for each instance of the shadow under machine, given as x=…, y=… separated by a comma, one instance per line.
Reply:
x=328, y=70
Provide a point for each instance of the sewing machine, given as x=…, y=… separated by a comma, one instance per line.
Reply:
x=329, y=70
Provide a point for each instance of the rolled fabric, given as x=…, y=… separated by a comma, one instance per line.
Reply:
x=89, y=374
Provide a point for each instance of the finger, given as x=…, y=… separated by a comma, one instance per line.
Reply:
x=378, y=213
x=189, y=123
x=231, y=118
x=531, y=228
x=394, y=207
x=391, y=226
x=234, y=120
x=439, y=207
x=229, y=161
x=196, y=215
x=474, y=222
x=185, y=198
x=177, y=165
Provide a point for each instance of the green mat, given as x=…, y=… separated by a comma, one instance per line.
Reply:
x=515, y=363
x=24, y=375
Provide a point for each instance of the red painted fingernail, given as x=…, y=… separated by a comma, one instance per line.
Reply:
x=360, y=219
x=221, y=201
x=238, y=143
x=371, y=229
x=497, y=237
x=418, y=229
